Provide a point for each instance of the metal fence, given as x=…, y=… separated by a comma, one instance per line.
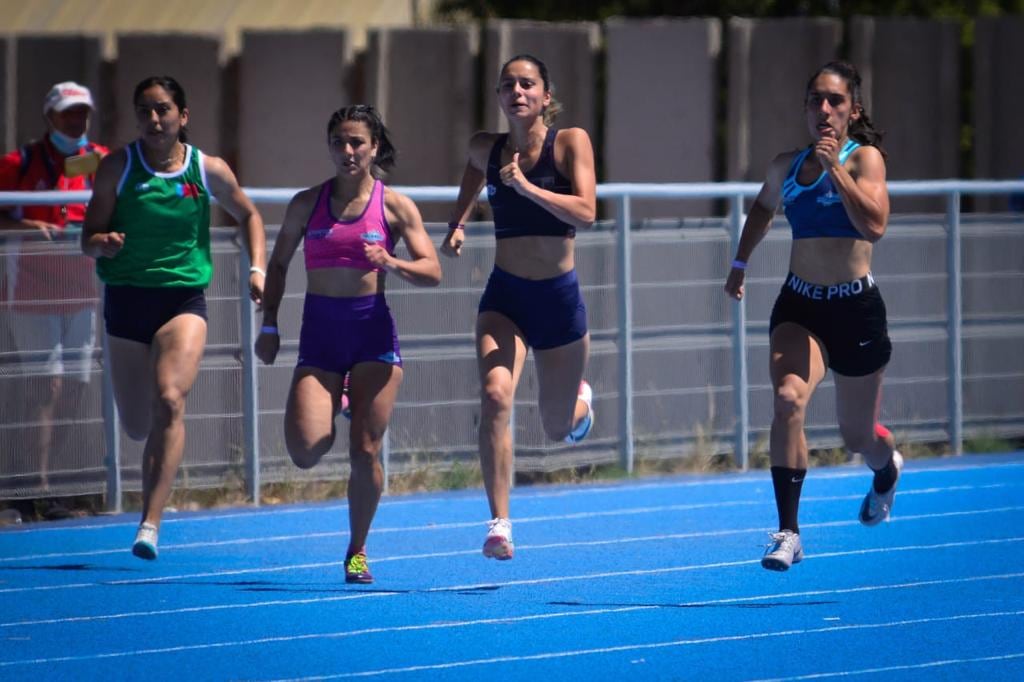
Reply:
x=677, y=367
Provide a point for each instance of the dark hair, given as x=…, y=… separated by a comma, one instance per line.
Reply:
x=369, y=115
x=861, y=128
x=173, y=88
x=552, y=110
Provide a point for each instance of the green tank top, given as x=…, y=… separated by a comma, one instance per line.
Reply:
x=165, y=218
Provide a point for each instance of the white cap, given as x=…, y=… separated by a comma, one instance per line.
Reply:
x=67, y=94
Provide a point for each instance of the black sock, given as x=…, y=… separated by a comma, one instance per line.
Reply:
x=788, y=483
x=885, y=478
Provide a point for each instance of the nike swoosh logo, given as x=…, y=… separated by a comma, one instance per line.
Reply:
x=796, y=480
x=863, y=343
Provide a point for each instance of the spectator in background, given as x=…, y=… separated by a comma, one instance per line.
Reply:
x=148, y=227
x=51, y=295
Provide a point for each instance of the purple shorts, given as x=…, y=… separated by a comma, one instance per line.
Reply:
x=339, y=333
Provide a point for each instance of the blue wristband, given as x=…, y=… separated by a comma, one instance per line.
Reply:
x=268, y=329
x=739, y=264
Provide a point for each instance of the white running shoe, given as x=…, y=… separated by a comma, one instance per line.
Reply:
x=877, y=506
x=784, y=550
x=145, y=542
x=586, y=394
x=498, y=544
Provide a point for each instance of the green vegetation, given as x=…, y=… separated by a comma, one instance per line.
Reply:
x=585, y=10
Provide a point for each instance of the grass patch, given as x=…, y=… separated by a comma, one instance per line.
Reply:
x=430, y=475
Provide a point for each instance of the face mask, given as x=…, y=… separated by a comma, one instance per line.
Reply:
x=68, y=145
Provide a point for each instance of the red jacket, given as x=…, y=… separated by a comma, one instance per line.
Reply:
x=44, y=283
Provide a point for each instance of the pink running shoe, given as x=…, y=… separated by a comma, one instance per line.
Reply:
x=498, y=544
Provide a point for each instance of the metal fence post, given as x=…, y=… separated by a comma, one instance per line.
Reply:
x=624, y=298
x=111, y=433
x=250, y=383
x=740, y=387
x=955, y=327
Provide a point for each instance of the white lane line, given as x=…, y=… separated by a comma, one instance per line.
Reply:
x=663, y=645
x=503, y=620
x=479, y=586
x=635, y=511
x=726, y=479
x=894, y=668
x=452, y=553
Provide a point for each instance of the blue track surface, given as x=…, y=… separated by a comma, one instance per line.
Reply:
x=651, y=579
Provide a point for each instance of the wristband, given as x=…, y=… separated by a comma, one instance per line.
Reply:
x=739, y=264
x=259, y=270
x=456, y=226
x=269, y=329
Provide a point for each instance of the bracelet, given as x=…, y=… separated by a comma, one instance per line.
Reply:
x=258, y=269
x=269, y=329
x=739, y=264
x=456, y=226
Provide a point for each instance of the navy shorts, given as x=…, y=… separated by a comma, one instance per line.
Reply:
x=339, y=333
x=848, y=318
x=137, y=313
x=549, y=312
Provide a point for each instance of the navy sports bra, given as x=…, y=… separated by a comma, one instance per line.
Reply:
x=817, y=210
x=517, y=216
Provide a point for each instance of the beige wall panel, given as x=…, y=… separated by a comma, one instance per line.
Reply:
x=568, y=49
x=660, y=107
x=190, y=59
x=289, y=84
x=423, y=83
x=40, y=62
x=911, y=74
x=770, y=61
x=998, y=102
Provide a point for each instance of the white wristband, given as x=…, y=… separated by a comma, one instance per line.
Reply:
x=259, y=270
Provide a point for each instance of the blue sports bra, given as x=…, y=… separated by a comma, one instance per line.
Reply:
x=517, y=216
x=817, y=210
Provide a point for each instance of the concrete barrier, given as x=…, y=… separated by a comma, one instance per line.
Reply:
x=911, y=80
x=568, y=50
x=998, y=100
x=41, y=61
x=289, y=84
x=190, y=59
x=770, y=61
x=660, y=106
x=430, y=113
x=7, y=81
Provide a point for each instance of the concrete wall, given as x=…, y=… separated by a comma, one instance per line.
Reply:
x=911, y=80
x=265, y=111
x=42, y=61
x=998, y=101
x=663, y=132
x=190, y=59
x=568, y=50
x=430, y=113
x=289, y=84
x=7, y=81
x=770, y=61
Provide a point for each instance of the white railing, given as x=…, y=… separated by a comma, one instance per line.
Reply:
x=622, y=194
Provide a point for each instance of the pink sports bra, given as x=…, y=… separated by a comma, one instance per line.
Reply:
x=333, y=243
